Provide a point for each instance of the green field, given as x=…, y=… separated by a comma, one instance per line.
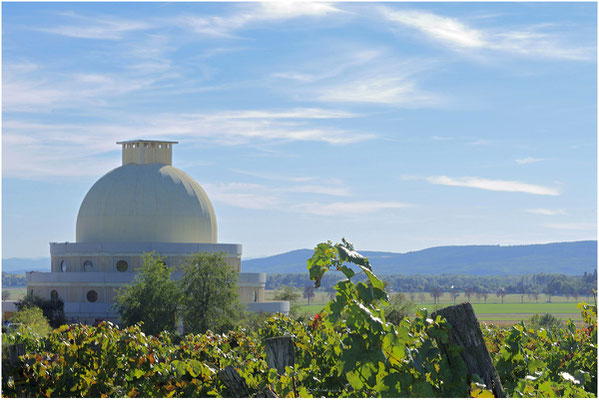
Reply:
x=512, y=309
x=15, y=293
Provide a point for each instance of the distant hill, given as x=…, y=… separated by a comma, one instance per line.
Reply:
x=20, y=265
x=570, y=258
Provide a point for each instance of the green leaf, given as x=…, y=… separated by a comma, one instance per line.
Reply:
x=347, y=271
x=354, y=380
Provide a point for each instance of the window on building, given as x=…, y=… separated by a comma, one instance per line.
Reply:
x=92, y=296
x=63, y=266
x=88, y=265
x=54, y=295
x=255, y=296
x=122, y=266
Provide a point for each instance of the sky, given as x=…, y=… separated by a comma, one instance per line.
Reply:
x=399, y=126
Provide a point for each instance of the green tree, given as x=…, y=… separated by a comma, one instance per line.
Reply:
x=309, y=293
x=435, y=293
x=33, y=317
x=210, y=294
x=290, y=294
x=501, y=293
x=152, y=298
x=287, y=293
x=399, y=308
x=53, y=309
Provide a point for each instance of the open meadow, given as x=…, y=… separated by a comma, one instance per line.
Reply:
x=514, y=307
x=15, y=293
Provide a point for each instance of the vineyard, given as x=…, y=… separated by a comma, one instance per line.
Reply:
x=347, y=350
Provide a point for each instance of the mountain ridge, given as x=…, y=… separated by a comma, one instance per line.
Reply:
x=570, y=258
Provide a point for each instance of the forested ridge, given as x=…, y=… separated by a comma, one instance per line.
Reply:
x=570, y=258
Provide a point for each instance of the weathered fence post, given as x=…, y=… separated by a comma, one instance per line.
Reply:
x=233, y=381
x=280, y=353
x=465, y=332
x=14, y=351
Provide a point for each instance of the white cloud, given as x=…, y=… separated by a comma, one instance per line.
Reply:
x=254, y=14
x=345, y=208
x=383, y=90
x=52, y=143
x=545, y=211
x=273, y=176
x=573, y=226
x=263, y=197
x=494, y=185
x=323, y=189
x=106, y=28
x=444, y=29
x=357, y=75
x=242, y=195
x=529, y=160
x=530, y=41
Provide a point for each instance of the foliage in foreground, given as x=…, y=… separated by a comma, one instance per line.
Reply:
x=347, y=350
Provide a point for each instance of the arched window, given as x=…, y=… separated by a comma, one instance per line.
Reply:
x=88, y=266
x=54, y=295
x=63, y=265
x=255, y=296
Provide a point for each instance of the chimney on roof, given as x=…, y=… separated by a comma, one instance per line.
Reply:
x=147, y=152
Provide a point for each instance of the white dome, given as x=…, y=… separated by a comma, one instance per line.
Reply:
x=146, y=203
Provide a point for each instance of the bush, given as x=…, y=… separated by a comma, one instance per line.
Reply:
x=547, y=321
x=53, y=309
x=33, y=317
x=399, y=308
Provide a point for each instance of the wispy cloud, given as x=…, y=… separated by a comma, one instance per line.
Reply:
x=383, y=90
x=444, y=29
x=315, y=189
x=249, y=15
x=107, y=28
x=49, y=144
x=348, y=208
x=242, y=195
x=32, y=90
x=265, y=197
x=357, y=75
x=529, y=41
x=529, y=160
x=545, y=211
x=493, y=184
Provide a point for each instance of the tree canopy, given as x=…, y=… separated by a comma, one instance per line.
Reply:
x=153, y=297
x=210, y=298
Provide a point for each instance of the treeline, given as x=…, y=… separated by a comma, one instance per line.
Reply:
x=551, y=284
x=12, y=280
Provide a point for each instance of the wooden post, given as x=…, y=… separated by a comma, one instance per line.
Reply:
x=233, y=381
x=280, y=353
x=465, y=332
x=14, y=351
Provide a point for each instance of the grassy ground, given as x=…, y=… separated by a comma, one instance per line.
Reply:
x=15, y=293
x=512, y=310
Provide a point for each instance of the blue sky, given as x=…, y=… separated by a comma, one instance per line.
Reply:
x=400, y=126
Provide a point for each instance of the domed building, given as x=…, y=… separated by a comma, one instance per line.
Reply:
x=146, y=205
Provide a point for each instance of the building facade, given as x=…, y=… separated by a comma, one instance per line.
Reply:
x=144, y=206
